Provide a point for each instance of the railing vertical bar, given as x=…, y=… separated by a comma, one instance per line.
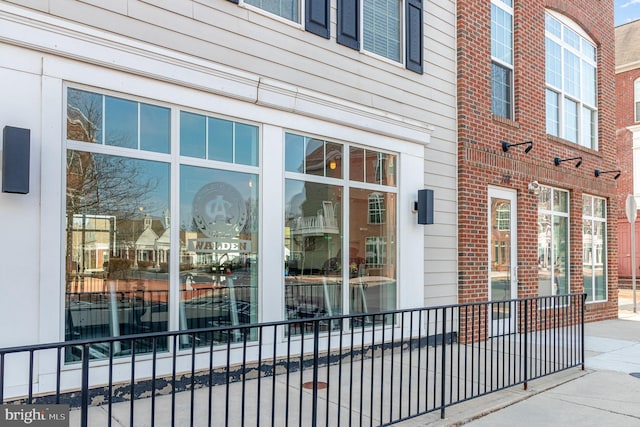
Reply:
x=393, y=344
x=525, y=351
x=382, y=382
x=373, y=358
x=193, y=380
x=154, y=363
x=58, y=375
x=327, y=409
x=582, y=305
x=30, y=395
x=418, y=376
x=443, y=363
x=110, y=408
x=362, y=352
x=243, y=400
x=174, y=363
x=340, y=346
x=300, y=411
x=351, y=373
x=210, y=400
x=409, y=400
x=288, y=377
x=273, y=370
x=451, y=357
x=2, y=377
x=227, y=380
x=466, y=347
x=133, y=382
x=435, y=359
x=316, y=354
x=400, y=385
x=84, y=408
x=489, y=346
x=487, y=325
x=260, y=344
x=426, y=386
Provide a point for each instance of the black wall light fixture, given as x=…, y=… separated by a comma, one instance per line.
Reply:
x=424, y=206
x=506, y=145
x=558, y=160
x=16, y=144
x=598, y=172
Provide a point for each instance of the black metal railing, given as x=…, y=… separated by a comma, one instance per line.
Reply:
x=376, y=369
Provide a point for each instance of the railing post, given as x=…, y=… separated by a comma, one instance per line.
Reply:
x=525, y=319
x=316, y=333
x=443, y=362
x=584, y=299
x=84, y=395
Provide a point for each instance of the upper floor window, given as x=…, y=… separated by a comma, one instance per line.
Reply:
x=636, y=99
x=571, y=106
x=389, y=28
x=288, y=9
x=502, y=58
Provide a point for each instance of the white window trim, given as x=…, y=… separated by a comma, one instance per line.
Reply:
x=403, y=37
x=296, y=24
x=592, y=218
x=509, y=10
x=560, y=91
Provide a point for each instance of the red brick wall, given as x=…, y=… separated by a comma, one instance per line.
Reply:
x=481, y=161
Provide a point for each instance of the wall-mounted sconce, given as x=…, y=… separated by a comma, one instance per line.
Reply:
x=424, y=206
x=506, y=145
x=15, y=160
x=558, y=160
x=534, y=187
x=598, y=172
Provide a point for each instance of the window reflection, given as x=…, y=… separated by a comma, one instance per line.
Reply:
x=594, y=247
x=313, y=255
x=218, y=250
x=117, y=246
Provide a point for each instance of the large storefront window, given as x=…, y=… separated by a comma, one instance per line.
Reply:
x=321, y=254
x=594, y=247
x=553, y=241
x=119, y=216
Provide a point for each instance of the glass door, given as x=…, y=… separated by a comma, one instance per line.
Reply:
x=503, y=263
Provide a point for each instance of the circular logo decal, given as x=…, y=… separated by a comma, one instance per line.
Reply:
x=219, y=210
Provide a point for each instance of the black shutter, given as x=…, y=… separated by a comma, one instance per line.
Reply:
x=348, y=33
x=317, y=17
x=414, y=36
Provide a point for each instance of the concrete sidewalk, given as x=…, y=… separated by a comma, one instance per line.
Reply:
x=606, y=393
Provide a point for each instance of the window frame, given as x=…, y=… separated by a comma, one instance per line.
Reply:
x=564, y=97
x=592, y=218
x=501, y=63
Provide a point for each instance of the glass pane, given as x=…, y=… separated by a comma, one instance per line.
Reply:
x=560, y=201
x=373, y=166
x=544, y=255
x=314, y=156
x=553, y=26
x=220, y=139
x=218, y=251
x=588, y=132
x=588, y=50
x=287, y=9
x=193, y=130
x=356, y=164
x=500, y=239
x=587, y=206
x=600, y=208
x=84, y=116
x=570, y=120
x=588, y=84
x=572, y=38
x=553, y=113
x=561, y=255
x=553, y=67
x=155, y=128
x=121, y=122
x=587, y=258
x=600, y=260
x=313, y=250
x=381, y=28
x=372, y=249
x=246, y=144
x=544, y=198
x=334, y=160
x=294, y=153
x=501, y=90
x=117, y=250
x=388, y=169
x=501, y=35
x=571, y=74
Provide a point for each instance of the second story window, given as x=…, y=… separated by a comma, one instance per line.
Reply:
x=571, y=106
x=288, y=9
x=502, y=58
x=391, y=29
